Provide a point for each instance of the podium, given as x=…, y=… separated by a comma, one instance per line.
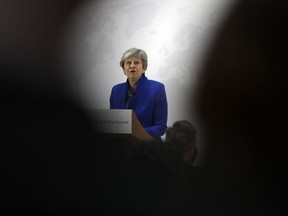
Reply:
x=119, y=123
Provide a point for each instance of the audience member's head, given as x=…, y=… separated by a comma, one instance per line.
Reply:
x=31, y=34
x=241, y=93
x=181, y=137
x=47, y=151
x=241, y=103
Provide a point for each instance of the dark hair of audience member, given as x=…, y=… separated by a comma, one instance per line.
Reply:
x=181, y=138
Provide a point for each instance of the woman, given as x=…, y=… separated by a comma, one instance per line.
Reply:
x=146, y=97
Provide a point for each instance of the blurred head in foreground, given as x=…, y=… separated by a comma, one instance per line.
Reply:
x=31, y=33
x=241, y=97
x=46, y=151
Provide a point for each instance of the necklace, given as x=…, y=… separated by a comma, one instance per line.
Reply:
x=131, y=91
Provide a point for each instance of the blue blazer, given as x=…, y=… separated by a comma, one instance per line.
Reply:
x=149, y=103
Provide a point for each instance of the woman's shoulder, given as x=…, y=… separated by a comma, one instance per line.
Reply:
x=154, y=83
x=119, y=85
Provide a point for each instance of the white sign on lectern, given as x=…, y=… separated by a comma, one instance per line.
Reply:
x=118, y=121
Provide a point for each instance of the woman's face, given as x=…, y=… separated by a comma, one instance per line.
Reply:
x=133, y=68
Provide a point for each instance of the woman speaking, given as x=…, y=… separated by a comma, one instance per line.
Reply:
x=146, y=97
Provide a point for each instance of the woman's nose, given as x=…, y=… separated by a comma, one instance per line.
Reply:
x=132, y=64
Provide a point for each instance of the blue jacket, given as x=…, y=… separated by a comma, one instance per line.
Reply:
x=149, y=103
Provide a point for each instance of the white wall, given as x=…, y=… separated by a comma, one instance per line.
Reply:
x=174, y=33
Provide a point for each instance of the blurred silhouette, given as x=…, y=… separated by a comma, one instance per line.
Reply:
x=181, y=137
x=241, y=103
x=47, y=146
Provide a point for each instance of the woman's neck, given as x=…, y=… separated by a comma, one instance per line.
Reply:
x=132, y=85
x=133, y=82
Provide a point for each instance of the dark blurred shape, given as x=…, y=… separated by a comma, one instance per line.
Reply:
x=242, y=107
x=47, y=148
x=181, y=137
x=31, y=33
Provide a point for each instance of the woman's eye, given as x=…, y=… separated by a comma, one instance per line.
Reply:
x=134, y=62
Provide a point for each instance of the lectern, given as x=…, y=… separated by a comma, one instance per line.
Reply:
x=119, y=122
